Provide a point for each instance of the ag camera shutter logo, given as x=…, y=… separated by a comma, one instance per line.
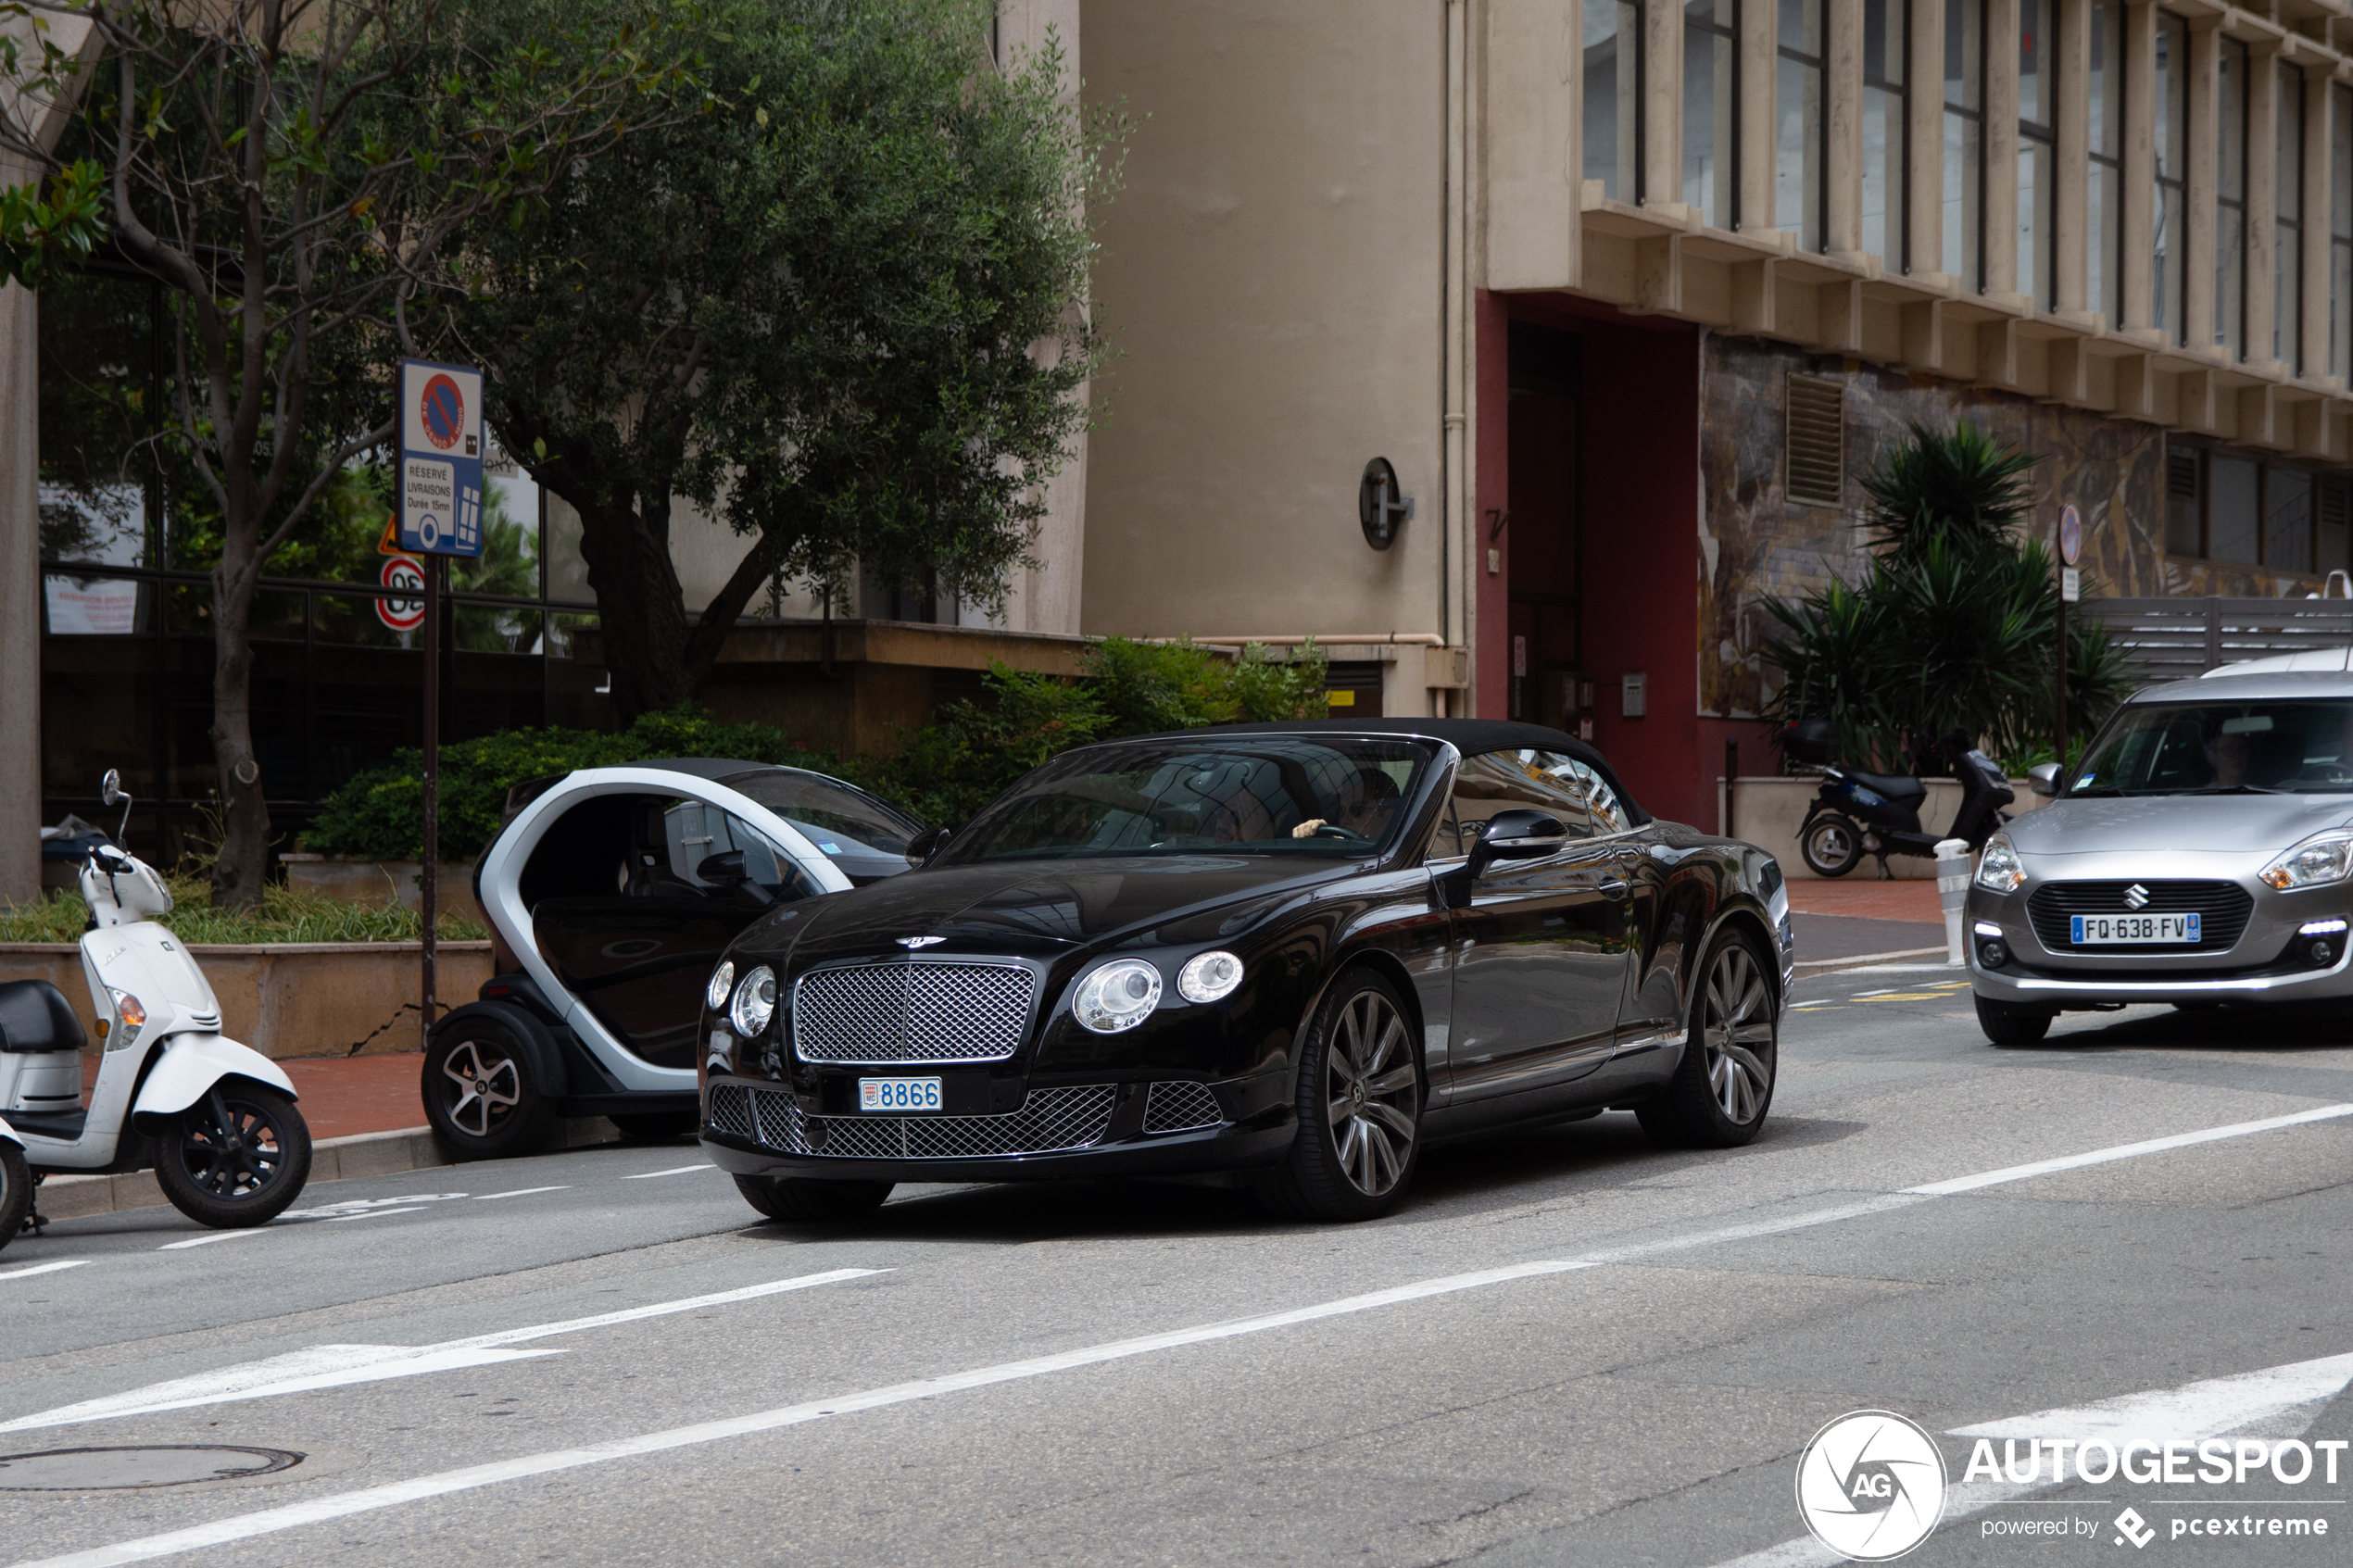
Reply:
x=1871, y=1486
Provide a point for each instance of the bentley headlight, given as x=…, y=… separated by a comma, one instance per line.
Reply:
x=1999, y=870
x=755, y=1003
x=722, y=980
x=1209, y=977
x=2324, y=858
x=1117, y=996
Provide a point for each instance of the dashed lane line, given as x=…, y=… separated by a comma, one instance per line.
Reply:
x=519, y=1192
x=44, y=1269
x=245, y=1526
x=673, y=1171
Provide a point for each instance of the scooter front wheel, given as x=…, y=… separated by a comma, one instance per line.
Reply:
x=15, y=1192
x=234, y=1158
x=1831, y=846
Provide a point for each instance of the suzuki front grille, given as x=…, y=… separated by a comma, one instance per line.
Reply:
x=2222, y=909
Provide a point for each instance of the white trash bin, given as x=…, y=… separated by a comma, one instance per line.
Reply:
x=1952, y=868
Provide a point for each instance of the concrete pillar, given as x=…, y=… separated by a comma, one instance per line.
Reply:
x=1924, y=136
x=2198, y=225
x=1843, y=127
x=2071, y=238
x=2315, y=342
x=2262, y=197
x=1756, y=77
x=2001, y=147
x=2139, y=241
x=19, y=591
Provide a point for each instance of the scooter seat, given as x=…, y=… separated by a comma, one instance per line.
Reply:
x=35, y=1018
x=1894, y=788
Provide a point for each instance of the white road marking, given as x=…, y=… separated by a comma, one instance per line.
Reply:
x=2278, y=1401
x=44, y=1269
x=374, y=1214
x=329, y=1366
x=245, y=1526
x=208, y=1239
x=673, y=1171
x=519, y=1192
x=351, y=1206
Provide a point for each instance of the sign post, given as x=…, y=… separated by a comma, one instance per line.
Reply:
x=2070, y=544
x=440, y=485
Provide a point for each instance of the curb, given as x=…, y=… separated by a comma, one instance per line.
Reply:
x=1864, y=960
x=331, y=1159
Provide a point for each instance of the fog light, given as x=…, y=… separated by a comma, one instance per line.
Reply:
x=1993, y=955
x=2322, y=952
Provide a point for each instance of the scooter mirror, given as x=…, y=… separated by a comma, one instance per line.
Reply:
x=110, y=788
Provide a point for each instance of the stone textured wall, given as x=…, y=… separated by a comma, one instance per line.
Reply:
x=1755, y=545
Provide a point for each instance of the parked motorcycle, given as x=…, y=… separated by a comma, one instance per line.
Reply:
x=215, y=1119
x=1856, y=813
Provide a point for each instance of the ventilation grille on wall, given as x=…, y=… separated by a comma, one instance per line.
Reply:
x=2337, y=504
x=2181, y=473
x=1815, y=472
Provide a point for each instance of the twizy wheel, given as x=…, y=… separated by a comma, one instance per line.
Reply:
x=1831, y=846
x=1724, y=1085
x=481, y=1093
x=15, y=1192
x=236, y=1157
x=1360, y=1109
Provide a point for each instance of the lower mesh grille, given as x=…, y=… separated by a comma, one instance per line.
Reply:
x=1179, y=1107
x=1049, y=1120
x=729, y=1111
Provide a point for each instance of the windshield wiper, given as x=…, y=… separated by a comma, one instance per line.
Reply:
x=2095, y=789
x=2237, y=789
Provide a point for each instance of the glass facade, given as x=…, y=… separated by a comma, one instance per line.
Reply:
x=2037, y=155
x=1711, y=110
x=1886, y=33
x=1614, y=98
x=2288, y=248
x=1797, y=121
x=2230, y=202
x=2173, y=149
x=2340, y=230
x=1965, y=142
x=2104, y=200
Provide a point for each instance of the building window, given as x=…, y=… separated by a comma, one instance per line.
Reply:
x=2185, y=484
x=2332, y=527
x=1614, y=97
x=2287, y=518
x=2248, y=511
x=2340, y=230
x=1797, y=123
x=1965, y=142
x=2103, y=226
x=2037, y=152
x=2172, y=163
x=2230, y=201
x=2287, y=245
x=1886, y=25
x=1813, y=466
x=1711, y=109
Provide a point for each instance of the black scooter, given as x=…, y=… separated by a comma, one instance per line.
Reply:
x=1856, y=813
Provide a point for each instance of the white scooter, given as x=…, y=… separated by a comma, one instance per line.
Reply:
x=214, y=1118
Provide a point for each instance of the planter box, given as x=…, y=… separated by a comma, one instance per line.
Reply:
x=380, y=882
x=1766, y=813
x=295, y=999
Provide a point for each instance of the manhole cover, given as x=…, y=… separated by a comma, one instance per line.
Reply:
x=97, y=1470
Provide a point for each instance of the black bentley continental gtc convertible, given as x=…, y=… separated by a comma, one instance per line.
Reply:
x=1285, y=955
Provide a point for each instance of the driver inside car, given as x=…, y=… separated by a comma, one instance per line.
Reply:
x=1370, y=802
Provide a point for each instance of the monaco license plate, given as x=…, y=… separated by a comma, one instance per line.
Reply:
x=899, y=1094
x=2101, y=930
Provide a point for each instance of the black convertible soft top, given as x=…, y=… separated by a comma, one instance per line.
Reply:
x=1469, y=736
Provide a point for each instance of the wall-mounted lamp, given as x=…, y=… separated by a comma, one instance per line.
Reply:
x=1379, y=508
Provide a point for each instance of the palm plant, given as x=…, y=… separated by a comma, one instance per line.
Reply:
x=1958, y=485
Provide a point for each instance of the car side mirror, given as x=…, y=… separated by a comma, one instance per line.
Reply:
x=2044, y=778
x=924, y=844
x=723, y=870
x=1517, y=834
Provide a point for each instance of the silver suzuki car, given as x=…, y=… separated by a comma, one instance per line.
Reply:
x=2202, y=853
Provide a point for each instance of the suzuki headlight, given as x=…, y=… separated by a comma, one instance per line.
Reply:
x=1118, y=997
x=1209, y=977
x=2324, y=858
x=722, y=980
x=755, y=1003
x=1999, y=870
x=130, y=1019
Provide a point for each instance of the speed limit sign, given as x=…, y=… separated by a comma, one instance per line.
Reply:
x=406, y=573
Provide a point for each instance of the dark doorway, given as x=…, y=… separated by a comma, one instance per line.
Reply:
x=1546, y=553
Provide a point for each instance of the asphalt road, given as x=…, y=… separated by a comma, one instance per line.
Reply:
x=1567, y=1347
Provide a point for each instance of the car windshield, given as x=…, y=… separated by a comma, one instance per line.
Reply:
x=1273, y=794
x=2222, y=748
x=861, y=834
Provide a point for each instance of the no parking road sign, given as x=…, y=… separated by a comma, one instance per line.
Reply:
x=440, y=459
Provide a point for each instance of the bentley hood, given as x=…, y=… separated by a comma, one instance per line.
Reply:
x=2248, y=824
x=1033, y=908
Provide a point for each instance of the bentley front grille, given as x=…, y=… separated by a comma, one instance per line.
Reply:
x=914, y=1012
x=1179, y=1107
x=1049, y=1121
x=2222, y=909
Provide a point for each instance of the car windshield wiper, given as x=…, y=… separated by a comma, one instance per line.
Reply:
x=2095, y=789
x=2237, y=789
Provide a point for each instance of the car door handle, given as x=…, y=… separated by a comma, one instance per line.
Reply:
x=1614, y=889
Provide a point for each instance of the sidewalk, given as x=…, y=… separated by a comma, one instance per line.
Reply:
x=1858, y=915
x=341, y=1096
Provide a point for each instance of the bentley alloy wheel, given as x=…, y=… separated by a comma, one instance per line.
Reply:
x=1724, y=1085
x=1359, y=1109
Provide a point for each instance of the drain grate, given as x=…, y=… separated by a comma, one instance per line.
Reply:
x=105, y=1470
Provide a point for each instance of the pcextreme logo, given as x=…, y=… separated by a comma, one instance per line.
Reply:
x=1871, y=1486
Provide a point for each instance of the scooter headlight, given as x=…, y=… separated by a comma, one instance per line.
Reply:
x=130, y=1017
x=1999, y=870
x=722, y=980
x=755, y=1003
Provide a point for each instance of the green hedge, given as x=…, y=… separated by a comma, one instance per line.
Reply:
x=942, y=772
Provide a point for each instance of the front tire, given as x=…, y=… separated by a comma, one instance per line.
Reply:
x=1831, y=846
x=801, y=1200
x=1731, y=1059
x=15, y=1192
x=482, y=1092
x=2007, y=1024
x=236, y=1157
x=1360, y=1110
